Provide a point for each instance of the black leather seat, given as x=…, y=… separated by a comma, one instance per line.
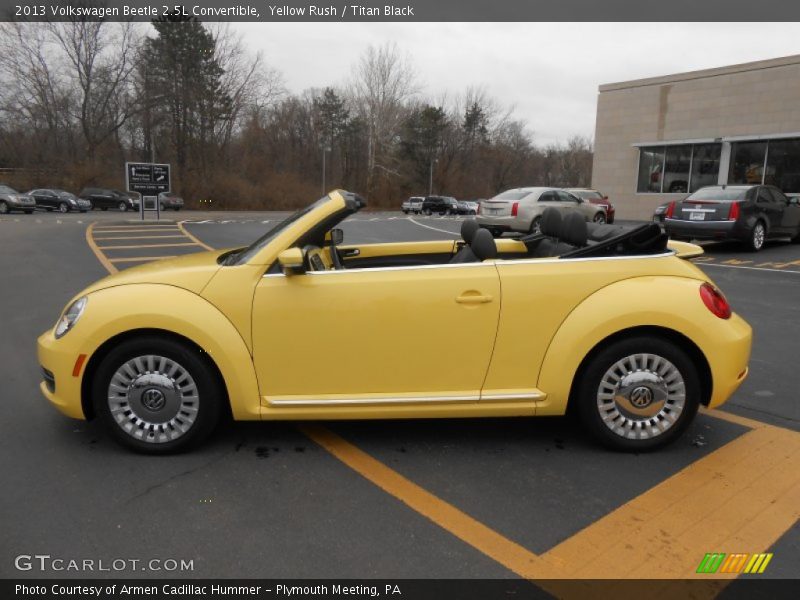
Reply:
x=468, y=230
x=551, y=229
x=574, y=234
x=483, y=245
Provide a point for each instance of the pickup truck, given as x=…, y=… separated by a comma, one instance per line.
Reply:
x=412, y=205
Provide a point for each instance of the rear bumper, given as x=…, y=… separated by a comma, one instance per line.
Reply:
x=705, y=230
x=502, y=223
x=728, y=356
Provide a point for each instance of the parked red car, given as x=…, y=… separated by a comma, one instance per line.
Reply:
x=595, y=197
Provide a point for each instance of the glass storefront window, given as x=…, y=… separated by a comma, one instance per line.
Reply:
x=783, y=165
x=705, y=165
x=747, y=162
x=676, y=169
x=651, y=163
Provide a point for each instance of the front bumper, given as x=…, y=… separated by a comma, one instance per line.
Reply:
x=704, y=230
x=62, y=387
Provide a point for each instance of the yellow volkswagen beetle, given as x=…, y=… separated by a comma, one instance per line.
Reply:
x=297, y=326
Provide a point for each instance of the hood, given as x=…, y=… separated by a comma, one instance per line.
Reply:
x=191, y=272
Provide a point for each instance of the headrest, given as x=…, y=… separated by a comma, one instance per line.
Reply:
x=468, y=229
x=483, y=245
x=574, y=230
x=551, y=222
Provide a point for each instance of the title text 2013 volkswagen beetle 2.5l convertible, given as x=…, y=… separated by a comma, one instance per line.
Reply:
x=299, y=326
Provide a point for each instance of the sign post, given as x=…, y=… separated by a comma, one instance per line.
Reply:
x=149, y=179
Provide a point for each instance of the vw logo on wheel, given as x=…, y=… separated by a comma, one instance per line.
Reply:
x=641, y=396
x=153, y=399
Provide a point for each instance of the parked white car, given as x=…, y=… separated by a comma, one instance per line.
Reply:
x=520, y=209
x=412, y=205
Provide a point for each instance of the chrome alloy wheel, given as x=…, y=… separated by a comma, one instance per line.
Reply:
x=758, y=236
x=641, y=396
x=153, y=399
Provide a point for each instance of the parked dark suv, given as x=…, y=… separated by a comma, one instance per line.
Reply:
x=104, y=199
x=748, y=213
x=443, y=205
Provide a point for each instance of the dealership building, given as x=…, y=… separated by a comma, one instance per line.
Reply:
x=657, y=139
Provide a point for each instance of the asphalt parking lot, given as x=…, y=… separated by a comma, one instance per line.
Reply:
x=392, y=499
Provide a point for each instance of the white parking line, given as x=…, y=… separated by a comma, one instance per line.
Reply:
x=434, y=228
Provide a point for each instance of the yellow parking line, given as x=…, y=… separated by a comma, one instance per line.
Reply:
x=190, y=236
x=137, y=237
x=521, y=561
x=136, y=225
x=100, y=256
x=170, y=230
x=741, y=497
x=147, y=246
x=139, y=258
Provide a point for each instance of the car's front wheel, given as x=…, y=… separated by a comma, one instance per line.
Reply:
x=600, y=218
x=638, y=394
x=122, y=206
x=757, y=237
x=62, y=207
x=157, y=395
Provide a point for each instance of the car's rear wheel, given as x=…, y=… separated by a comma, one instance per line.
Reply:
x=757, y=237
x=536, y=225
x=638, y=394
x=157, y=395
x=599, y=218
x=3, y=208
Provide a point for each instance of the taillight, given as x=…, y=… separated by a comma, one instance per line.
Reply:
x=514, y=209
x=715, y=301
x=733, y=211
x=670, y=210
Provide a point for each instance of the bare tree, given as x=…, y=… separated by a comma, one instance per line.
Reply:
x=98, y=59
x=383, y=80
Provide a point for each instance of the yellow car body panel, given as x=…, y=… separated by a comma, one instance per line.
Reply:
x=499, y=338
x=124, y=308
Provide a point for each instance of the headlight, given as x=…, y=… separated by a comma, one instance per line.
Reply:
x=71, y=316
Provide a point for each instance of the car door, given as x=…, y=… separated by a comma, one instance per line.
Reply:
x=345, y=337
x=574, y=203
x=790, y=217
x=769, y=207
x=42, y=199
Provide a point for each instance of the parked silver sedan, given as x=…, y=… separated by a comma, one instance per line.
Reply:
x=520, y=209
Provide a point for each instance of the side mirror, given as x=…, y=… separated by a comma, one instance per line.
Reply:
x=335, y=236
x=291, y=260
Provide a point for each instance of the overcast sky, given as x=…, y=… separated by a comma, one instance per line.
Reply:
x=548, y=71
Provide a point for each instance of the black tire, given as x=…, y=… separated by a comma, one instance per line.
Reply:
x=63, y=207
x=208, y=403
x=427, y=212
x=104, y=208
x=796, y=238
x=672, y=417
x=757, y=237
x=29, y=212
x=536, y=225
x=599, y=218
x=496, y=233
x=3, y=208
x=122, y=206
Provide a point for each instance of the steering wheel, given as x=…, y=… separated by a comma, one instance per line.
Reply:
x=336, y=258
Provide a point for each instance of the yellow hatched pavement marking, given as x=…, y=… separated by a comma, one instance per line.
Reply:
x=138, y=237
x=191, y=237
x=147, y=246
x=139, y=259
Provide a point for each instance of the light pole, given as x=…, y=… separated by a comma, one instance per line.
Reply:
x=430, y=178
x=325, y=149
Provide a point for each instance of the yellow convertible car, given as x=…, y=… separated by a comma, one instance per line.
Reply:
x=612, y=324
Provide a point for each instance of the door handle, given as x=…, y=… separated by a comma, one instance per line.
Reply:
x=351, y=252
x=473, y=299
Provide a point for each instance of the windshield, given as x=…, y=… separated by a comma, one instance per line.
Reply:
x=241, y=257
x=64, y=194
x=718, y=193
